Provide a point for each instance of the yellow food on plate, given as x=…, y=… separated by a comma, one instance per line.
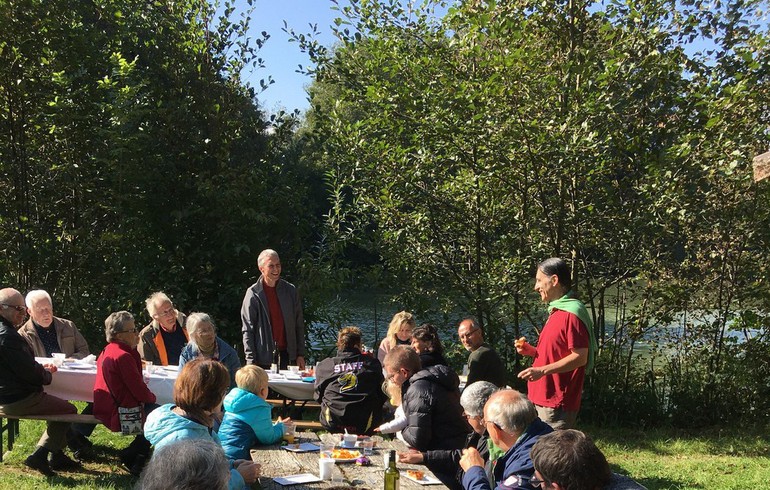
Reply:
x=416, y=474
x=345, y=454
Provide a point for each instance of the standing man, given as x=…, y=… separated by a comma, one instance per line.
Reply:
x=484, y=364
x=21, y=387
x=512, y=424
x=565, y=349
x=46, y=333
x=271, y=314
x=161, y=342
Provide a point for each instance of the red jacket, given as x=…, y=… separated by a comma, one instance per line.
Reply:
x=118, y=381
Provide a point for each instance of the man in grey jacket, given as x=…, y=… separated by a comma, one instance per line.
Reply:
x=271, y=315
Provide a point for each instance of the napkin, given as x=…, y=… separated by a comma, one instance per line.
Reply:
x=89, y=359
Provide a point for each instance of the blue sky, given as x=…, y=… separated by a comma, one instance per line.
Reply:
x=281, y=57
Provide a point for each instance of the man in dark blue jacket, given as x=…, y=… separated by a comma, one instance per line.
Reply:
x=512, y=423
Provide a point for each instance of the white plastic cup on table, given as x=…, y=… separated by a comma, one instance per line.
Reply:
x=325, y=468
x=58, y=359
x=149, y=367
x=349, y=440
x=274, y=368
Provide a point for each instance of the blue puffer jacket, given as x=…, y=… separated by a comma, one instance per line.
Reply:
x=247, y=422
x=514, y=469
x=227, y=356
x=165, y=427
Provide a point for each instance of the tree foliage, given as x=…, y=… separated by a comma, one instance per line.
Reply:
x=467, y=148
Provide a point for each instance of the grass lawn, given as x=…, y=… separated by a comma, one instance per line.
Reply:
x=659, y=459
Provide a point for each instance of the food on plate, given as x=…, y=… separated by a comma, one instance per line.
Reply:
x=416, y=474
x=520, y=342
x=345, y=454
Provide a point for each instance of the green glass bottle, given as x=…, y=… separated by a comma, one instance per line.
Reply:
x=391, y=473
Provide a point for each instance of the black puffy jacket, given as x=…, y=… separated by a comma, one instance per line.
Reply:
x=431, y=402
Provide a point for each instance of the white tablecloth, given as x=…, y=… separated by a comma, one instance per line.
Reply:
x=294, y=389
x=69, y=383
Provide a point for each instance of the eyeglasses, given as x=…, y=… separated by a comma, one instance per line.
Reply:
x=393, y=374
x=133, y=330
x=536, y=482
x=467, y=335
x=16, y=307
x=165, y=312
x=478, y=417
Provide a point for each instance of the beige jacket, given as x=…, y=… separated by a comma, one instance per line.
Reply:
x=70, y=339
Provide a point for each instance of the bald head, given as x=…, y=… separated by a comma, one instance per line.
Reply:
x=510, y=410
x=12, y=306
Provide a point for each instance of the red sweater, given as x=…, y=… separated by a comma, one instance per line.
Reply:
x=118, y=381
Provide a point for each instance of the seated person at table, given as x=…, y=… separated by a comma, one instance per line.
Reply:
x=205, y=343
x=198, y=394
x=247, y=419
x=348, y=387
x=426, y=343
x=46, y=334
x=161, y=342
x=21, y=387
x=431, y=401
x=569, y=460
x=513, y=426
x=120, y=383
x=190, y=464
x=473, y=399
x=399, y=418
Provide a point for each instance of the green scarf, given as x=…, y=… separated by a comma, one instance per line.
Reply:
x=571, y=305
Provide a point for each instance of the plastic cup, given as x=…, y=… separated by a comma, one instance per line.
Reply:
x=349, y=440
x=58, y=358
x=149, y=367
x=325, y=468
x=326, y=450
x=289, y=433
x=368, y=446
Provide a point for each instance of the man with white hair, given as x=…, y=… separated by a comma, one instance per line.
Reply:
x=46, y=333
x=21, y=387
x=513, y=425
x=271, y=315
x=161, y=342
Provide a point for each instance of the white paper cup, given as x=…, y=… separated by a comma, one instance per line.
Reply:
x=349, y=440
x=325, y=468
x=58, y=358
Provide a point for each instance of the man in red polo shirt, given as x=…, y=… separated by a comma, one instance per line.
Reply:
x=271, y=315
x=565, y=349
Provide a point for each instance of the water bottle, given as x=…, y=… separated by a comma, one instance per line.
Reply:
x=391, y=473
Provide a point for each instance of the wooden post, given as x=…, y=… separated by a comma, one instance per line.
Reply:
x=761, y=166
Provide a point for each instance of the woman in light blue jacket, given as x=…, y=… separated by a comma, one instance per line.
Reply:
x=198, y=394
x=204, y=343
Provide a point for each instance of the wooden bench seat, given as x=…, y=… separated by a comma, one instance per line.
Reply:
x=12, y=424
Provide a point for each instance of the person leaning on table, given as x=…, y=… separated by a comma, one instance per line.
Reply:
x=569, y=460
x=46, y=334
x=161, y=342
x=205, y=344
x=120, y=383
x=21, y=387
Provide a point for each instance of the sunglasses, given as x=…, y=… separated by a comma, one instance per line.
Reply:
x=16, y=307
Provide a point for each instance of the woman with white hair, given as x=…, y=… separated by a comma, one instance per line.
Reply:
x=205, y=344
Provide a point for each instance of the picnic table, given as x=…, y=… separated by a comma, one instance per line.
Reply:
x=277, y=462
